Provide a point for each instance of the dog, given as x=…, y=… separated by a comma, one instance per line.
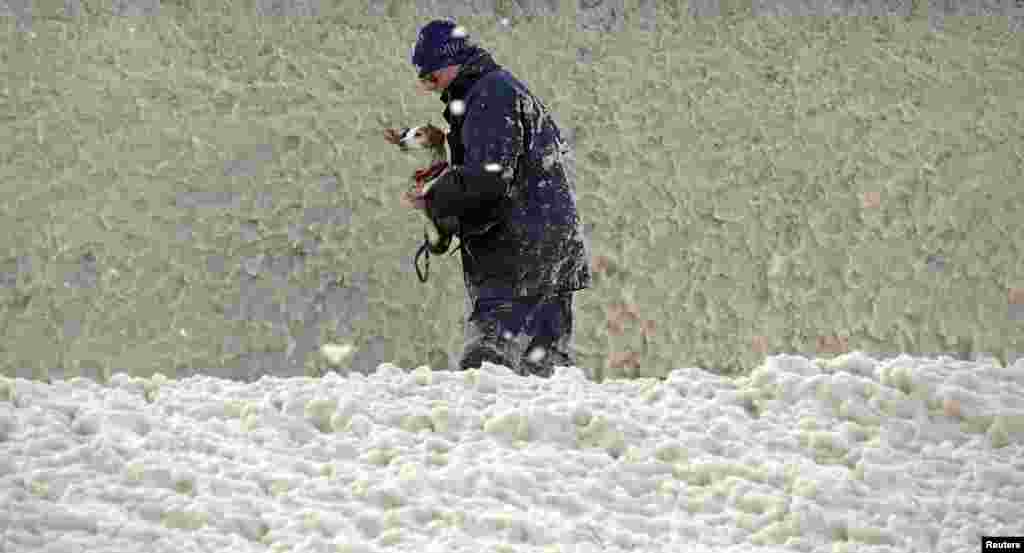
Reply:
x=427, y=137
x=434, y=142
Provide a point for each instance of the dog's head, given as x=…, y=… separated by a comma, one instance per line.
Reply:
x=420, y=138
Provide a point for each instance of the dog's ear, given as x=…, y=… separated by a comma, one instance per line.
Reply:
x=392, y=136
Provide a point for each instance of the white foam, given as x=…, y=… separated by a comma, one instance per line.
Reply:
x=457, y=107
x=803, y=455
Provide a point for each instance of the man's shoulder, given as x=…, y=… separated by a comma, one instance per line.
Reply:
x=499, y=83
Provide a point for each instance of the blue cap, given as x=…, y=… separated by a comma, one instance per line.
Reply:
x=440, y=43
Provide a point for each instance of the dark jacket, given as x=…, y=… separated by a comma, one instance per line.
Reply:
x=511, y=188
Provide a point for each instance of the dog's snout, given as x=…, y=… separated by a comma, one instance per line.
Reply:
x=408, y=139
x=403, y=138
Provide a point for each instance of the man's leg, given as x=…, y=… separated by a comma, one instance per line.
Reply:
x=550, y=333
x=491, y=330
x=527, y=335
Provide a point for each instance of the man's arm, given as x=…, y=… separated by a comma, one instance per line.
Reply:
x=493, y=137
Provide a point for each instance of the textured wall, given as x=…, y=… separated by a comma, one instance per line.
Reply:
x=204, y=192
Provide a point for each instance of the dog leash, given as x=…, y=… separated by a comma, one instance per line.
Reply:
x=423, y=251
x=423, y=176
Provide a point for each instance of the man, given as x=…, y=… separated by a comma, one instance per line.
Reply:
x=510, y=187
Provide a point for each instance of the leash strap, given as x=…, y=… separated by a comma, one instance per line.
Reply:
x=425, y=252
x=424, y=176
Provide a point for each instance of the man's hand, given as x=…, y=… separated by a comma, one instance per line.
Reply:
x=424, y=178
x=414, y=199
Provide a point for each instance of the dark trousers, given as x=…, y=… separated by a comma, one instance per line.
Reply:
x=528, y=335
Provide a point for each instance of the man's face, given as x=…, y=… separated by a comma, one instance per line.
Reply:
x=438, y=81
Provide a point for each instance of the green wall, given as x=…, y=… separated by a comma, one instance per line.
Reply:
x=183, y=192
